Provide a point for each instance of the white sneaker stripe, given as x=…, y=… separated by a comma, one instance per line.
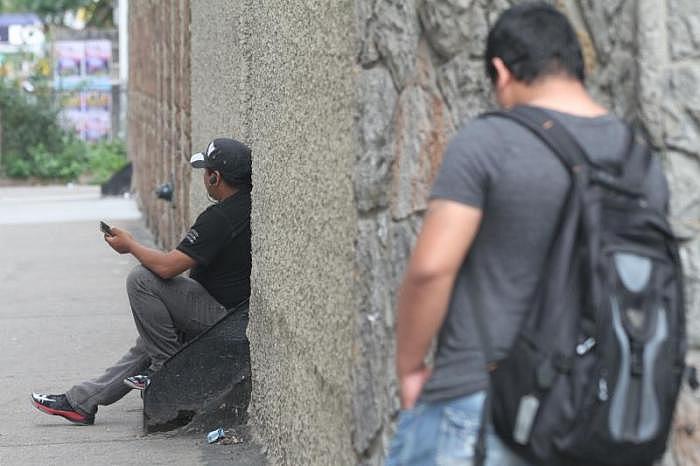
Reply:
x=40, y=397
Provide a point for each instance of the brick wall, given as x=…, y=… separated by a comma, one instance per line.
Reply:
x=159, y=111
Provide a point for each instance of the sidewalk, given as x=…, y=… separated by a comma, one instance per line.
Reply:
x=64, y=316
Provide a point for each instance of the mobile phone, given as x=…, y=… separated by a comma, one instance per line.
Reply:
x=106, y=229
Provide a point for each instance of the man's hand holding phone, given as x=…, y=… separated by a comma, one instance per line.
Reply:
x=119, y=240
x=106, y=229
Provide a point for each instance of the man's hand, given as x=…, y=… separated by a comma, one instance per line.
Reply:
x=411, y=385
x=165, y=265
x=121, y=241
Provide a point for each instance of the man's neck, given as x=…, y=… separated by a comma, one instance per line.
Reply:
x=225, y=193
x=561, y=94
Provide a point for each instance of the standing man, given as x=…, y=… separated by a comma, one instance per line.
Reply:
x=167, y=307
x=492, y=215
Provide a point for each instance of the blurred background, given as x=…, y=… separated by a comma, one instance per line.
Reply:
x=62, y=91
x=348, y=105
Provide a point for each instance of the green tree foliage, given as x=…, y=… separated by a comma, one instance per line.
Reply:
x=35, y=145
x=27, y=120
x=99, y=12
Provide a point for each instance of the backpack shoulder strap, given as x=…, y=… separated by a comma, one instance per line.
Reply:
x=550, y=131
x=637, y=163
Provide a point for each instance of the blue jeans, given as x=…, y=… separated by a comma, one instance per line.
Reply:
x=445, y=433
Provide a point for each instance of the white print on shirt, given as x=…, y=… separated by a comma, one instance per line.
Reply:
x=192, y=235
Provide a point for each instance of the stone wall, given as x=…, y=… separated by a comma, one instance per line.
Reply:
x=348, y=106
x=421, y=74
x=668, y=78
x=159, y=111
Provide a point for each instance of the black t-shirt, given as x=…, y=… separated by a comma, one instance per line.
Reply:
x=219, y=241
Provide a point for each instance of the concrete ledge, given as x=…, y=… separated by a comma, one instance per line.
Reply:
x=204, y=385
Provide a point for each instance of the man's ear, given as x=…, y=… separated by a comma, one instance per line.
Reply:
x=214, y=178
x=503, y=74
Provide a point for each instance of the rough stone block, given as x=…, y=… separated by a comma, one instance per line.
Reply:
x=422, y=128
x=599, y=16
x=397, y=31
x=453, y=26
x=204, y=385
x=684, y=442
x=465, y=87
x=683, y=172
x=682, y=109
x=690, y=254
x=375, y=111
x=366, y=47
x=383, y=248
x=684, y=28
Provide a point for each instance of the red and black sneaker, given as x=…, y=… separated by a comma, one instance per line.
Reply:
x=58, y=405
x=138, y=382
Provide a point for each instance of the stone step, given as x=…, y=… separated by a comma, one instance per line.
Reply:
x=206, y=384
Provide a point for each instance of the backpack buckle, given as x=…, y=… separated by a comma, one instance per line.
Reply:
x=586, y=346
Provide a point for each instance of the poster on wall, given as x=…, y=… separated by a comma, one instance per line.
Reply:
x=82, y=77
x=88, y=113
x=97, y=124
x=98, y=54
x=98, y=115
x=69, y=57
x=98, y=100
x=71, y=103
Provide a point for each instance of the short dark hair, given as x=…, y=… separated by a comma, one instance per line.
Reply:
x=233, y=181
x=238, y=183
x=534, y=40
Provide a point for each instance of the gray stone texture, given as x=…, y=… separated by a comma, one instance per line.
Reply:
x=375, y=134
x=684, y=29
x=454, y=26
x=610, y=27
x=396, y=30
x=631, y=68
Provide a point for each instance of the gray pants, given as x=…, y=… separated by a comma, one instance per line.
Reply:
x=165, y=311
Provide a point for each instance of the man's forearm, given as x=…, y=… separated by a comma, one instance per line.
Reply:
x=153, y=259
x=422, y=307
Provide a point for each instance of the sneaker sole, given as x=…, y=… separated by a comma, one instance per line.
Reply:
x=71, y=416
x=133, y=385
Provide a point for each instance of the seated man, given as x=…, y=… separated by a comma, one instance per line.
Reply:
x=165, y=305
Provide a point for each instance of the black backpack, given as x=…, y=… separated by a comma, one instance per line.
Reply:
x=594, y=373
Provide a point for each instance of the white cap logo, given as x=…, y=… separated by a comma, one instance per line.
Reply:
x=211, y=148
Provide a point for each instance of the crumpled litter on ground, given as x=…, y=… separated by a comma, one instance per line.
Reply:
x=219, y=436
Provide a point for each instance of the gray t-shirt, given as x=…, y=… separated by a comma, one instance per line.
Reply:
x=519, y=184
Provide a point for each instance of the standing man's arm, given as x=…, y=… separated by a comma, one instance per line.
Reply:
x=448, y=231
x=164, y=264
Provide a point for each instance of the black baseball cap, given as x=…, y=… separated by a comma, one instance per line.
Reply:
x=229, y=157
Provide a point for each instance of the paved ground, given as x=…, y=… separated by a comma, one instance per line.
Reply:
x=64, y=316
